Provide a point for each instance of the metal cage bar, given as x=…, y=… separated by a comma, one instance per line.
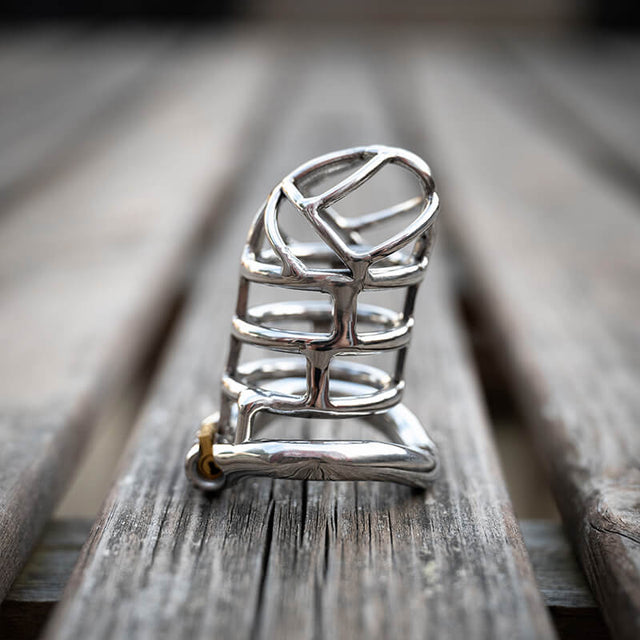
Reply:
x=341, y=266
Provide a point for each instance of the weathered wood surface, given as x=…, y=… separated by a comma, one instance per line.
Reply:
x=39, y=587
x=41, y=584
x=278, y=559
x=91, y=263
x=552, y=249
x=54, y=89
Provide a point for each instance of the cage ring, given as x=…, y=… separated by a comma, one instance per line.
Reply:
x=322, y=375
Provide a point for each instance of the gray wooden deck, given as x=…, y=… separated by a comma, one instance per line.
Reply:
x=131, y=164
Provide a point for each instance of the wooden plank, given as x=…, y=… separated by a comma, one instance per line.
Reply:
x=552, y=248
x=278, y=559
x=40, y=585
x=92, y=262
x=597, y=84
x=50, y=97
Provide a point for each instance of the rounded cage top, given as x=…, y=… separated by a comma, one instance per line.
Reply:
x=345, y=258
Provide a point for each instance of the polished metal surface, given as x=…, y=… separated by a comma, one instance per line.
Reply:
x=321, y=376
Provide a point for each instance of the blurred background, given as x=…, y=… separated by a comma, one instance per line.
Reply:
x=611, y=14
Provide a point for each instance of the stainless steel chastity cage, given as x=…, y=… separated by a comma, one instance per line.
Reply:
x=321, y=376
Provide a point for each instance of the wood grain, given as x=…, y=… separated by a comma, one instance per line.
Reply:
x=92, y=262
x=552, y=248
x=283, y=559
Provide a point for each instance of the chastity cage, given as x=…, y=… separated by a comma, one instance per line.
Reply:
x=322, y=375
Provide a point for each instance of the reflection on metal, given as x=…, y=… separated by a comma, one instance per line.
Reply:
x=324, y=378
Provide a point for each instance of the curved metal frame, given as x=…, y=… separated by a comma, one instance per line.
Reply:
x=342, y=266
